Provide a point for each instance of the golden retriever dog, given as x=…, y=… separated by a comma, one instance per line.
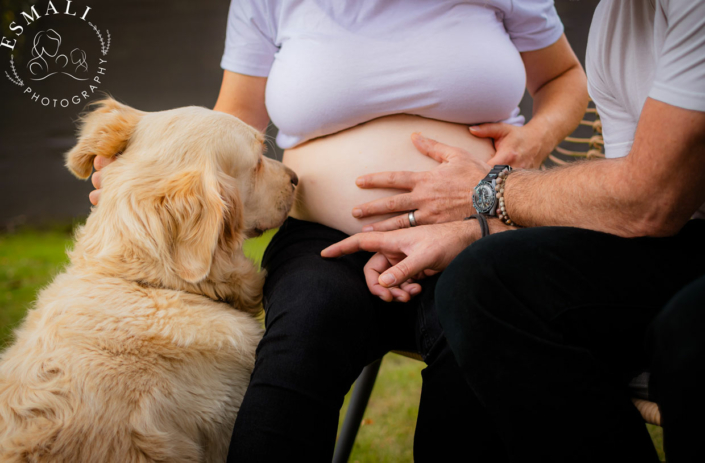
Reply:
x=141, y=350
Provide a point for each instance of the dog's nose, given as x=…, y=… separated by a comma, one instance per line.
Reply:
x=293, y=176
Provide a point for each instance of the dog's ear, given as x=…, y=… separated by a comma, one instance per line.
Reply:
x=192, y=216
x=105, y=131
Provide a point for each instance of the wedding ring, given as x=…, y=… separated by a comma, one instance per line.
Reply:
x=412, y=219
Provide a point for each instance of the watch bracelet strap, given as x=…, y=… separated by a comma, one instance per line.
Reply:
x=494, y=172
x=484, y=226
x=492, y=177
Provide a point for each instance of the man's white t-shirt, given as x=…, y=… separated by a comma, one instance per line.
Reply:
x=639, y=49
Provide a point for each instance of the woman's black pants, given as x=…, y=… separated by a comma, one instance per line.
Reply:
x=322, y=328
x=549, y=324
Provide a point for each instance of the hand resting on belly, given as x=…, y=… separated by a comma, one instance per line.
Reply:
x=328, y=167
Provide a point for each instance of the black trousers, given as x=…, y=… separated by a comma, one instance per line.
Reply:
x=322, y=328
x=676, y=340
x=548, y=325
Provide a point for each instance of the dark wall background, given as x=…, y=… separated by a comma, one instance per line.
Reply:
x=164, y=54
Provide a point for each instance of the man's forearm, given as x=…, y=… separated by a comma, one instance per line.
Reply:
x=651, y=192
x=584, y=194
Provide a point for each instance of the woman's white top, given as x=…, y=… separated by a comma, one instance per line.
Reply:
x=640, y=49
x=333, y=64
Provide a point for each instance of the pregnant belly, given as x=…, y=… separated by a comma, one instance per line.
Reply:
x=327, y=167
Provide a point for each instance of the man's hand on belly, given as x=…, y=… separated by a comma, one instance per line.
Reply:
x=443, y=194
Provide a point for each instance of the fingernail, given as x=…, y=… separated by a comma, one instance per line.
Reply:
x=358, y=181
x=387, y=279
x=473, y=128
x=357, y=212
x=367, y=228
x=414, y=291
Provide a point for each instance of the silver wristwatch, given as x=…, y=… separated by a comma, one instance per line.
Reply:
x=484, y=196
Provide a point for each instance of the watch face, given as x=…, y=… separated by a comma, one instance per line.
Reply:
x=483, y=197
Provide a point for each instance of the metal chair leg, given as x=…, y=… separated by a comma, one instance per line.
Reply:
x=358, y=403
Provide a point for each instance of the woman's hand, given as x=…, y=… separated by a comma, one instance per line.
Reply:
x=406, y=255
x=558, y=86
x=519, y=147
x=442, y=194
x=378, y=264
x=99, y=162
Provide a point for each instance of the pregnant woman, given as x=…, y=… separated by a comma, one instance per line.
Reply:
x=347, y=84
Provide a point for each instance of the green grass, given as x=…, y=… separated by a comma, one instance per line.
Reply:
x=387, y=430
x=254, y=248
x=28, y=261
x=30, y=258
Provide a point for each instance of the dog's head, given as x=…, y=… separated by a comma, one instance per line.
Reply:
x=189, y=186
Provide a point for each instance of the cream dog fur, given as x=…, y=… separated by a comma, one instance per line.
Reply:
x=141, y=350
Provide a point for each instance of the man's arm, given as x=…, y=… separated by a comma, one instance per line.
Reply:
x=651, y=192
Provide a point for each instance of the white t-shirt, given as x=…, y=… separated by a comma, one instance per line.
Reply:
x=334, y=64
x=639, y=49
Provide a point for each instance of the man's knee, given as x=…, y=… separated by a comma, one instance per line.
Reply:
x=676, y=334
x=478, y=270
x=464, y=289
x=522, y=263
x=522, y=266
